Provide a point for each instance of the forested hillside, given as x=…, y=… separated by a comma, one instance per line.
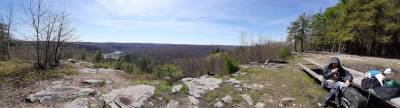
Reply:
x=364, y=27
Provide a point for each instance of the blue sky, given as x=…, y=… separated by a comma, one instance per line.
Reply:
x=216, y=22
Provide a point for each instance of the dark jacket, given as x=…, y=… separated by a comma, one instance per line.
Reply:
x=342, y=73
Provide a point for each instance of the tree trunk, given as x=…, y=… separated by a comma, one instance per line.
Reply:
x=295, y=45
x=302, y=45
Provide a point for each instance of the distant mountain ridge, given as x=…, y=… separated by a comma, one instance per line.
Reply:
x=164, y=51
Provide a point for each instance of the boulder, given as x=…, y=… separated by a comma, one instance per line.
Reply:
x=248, y=99
x=259, y=105
x=227, y=99
x=173, y=104
x=199, y=86
x=78, y=103
x=219, y=104
x=93, y=82
x=176, y=88
x=193, y=100
x=132, y=96
x=58, y=92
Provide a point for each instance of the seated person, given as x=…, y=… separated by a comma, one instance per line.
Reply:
x=335, y=78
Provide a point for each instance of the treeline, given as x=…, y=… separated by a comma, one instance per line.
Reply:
x=259, y=49
x=363, y=27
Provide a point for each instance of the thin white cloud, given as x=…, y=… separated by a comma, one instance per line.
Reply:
x=173, y=26
x=137, y=7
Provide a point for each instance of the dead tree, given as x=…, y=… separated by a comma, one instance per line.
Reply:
x=51, y=29
x=7, y=24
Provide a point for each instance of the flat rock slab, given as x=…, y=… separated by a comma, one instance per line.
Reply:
x=88, y=70
x=132, y=96
x=233, y=81
x=93, y=82
x=78, y=103
x=98, y=71
x=57, y=92
x=199, y=86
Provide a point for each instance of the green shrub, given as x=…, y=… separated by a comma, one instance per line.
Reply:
x=131, y=68
x=231, y=65
x=118, y=64
x=107, y=65
x=169, y=70
x=83, y=56
x=99, y=57
x=284, y=52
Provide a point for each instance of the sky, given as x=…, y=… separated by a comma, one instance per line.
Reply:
x=205, y=22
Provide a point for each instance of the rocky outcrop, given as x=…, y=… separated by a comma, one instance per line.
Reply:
x=132, y=96
x=199, y=86
x=58, y=92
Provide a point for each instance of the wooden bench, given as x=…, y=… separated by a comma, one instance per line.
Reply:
x=357, y=77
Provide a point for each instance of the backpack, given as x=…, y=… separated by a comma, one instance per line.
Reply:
x=367, y=83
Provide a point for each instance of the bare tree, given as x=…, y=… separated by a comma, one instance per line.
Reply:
x=51, y=30
x=7, y=24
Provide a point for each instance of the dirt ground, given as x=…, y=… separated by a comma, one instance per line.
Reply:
x=360, y=63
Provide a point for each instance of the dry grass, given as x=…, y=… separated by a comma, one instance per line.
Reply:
x=280, y=83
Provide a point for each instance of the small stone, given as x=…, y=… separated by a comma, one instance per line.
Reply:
x=219, y=104
x=173, y=104
x=193, y=100
x=259, y=105
x=151, y=104
x=227, y=99
x=286, y=101
x=248, y=99
x=176, y=88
